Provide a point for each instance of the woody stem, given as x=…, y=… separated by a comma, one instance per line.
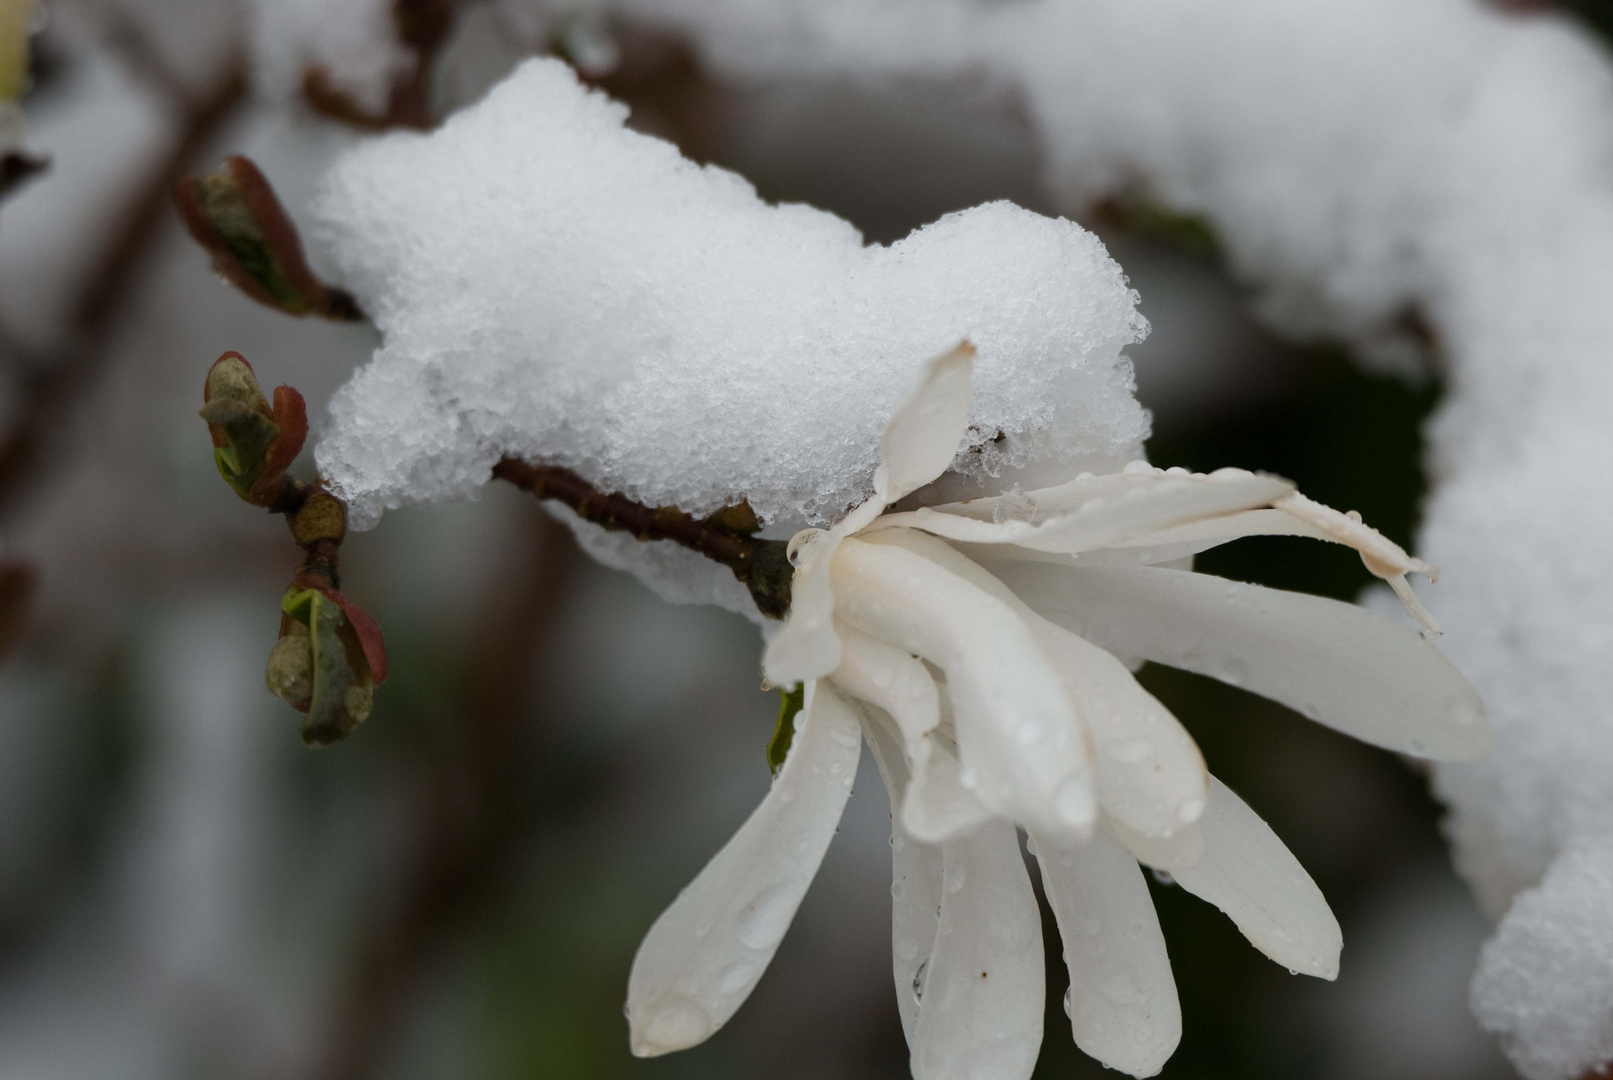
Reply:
x=760, y=564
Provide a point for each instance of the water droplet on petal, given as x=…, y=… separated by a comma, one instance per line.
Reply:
x=737, y=977
x=763, y=922
x=675, y=1023
x=1073, y=802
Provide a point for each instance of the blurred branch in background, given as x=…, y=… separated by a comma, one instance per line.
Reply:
x=470, y=811
x=51, y=384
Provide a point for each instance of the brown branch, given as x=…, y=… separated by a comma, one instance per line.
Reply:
x=58, y=382
x=423, y=26
x=724, y=537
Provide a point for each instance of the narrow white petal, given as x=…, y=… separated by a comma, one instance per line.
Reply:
x=1150, y=773
x=1333, y=662
x=896, y=681
x=915, y=875
x=1249, y=874
x=1383, y=556
x=1182, y=848
x=806, y=646
x=1122, y=1004
x=980, y=1011
x=1190, y=538
x=1127, y=505
x=928, y=428
x=939, y=807
x=1023, y=749
x=704, y=955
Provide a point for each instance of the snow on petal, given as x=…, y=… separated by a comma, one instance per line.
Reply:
x=1022, y=747
x=928, y=427
x=1122, y=1005
x=981, y=995
x=1248, y=873
x=1333, y=662
x=704, y=955
x=1149, y=771
x=915, y=875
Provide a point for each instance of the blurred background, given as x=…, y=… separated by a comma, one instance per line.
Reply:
x=458, y=890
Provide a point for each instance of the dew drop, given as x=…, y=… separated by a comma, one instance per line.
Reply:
x=763, y=922
x=1162, y=876
x=1068, y=993
x=736, y=977
x=1073, y=802
x=675, y=1024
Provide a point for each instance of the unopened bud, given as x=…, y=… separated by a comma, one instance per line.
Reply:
x=327, y=663
x=235, y=216
x=253, y=442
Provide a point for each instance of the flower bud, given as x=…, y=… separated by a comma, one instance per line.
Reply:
x=253, y=442
x=327, y=662
x=234, y=214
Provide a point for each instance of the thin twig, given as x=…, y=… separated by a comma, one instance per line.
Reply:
x=761, y=564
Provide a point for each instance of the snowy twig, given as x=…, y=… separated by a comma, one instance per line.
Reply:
x=724, y=537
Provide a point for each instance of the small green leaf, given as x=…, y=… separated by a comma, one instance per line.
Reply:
x=778, y=747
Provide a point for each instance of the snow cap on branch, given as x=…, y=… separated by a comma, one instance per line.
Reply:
x=553, y=286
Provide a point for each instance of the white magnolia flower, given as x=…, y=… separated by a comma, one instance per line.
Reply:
x=976, y=647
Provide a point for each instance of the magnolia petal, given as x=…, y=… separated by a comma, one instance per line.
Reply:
x=939, y=807
x=915, y=876
x=1248, y=873
x=704, y=955
x=1022, y=747
x=894, y=680
x=982, y=992
x=1333, y=662
x=1182, y=848
x=1383, y=556
x=1130, y=505
x=925, y=432
x=806, y=646
x=1149, y=771
x=1122, y=1005
x=1193, y=537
